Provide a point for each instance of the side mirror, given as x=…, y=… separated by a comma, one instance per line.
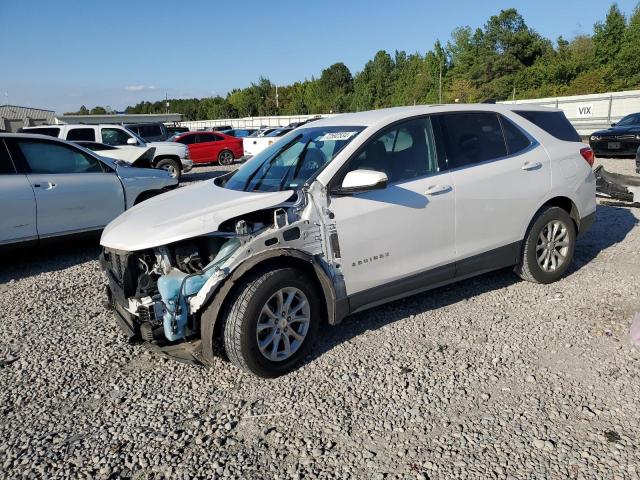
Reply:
x=362, y=180
x=132, y=141
x=613, y=124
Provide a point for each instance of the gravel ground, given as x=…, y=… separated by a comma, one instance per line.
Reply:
x=489, y=378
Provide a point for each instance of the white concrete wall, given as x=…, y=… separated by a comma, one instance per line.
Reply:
x=588, y=113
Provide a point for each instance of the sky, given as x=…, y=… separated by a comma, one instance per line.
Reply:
x=61, y=54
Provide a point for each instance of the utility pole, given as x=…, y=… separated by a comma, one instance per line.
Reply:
x=513, y=97
x=277, y=101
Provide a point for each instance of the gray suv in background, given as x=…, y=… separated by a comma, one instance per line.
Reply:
x=150, y=132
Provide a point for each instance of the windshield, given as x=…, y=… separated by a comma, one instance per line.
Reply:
x=630, y=120
x=292, y=160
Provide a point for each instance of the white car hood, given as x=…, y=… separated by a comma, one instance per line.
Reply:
x=183, y=213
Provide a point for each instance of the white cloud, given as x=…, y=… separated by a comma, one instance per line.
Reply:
x=139, y=88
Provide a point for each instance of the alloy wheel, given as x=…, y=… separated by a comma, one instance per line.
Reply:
x=552, y=246
x=283, y=324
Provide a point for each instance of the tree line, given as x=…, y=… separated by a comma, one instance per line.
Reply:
x=504, y=59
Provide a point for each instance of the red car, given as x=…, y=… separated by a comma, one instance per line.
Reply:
x=210, y=147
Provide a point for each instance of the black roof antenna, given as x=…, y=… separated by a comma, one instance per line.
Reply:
x=492, y=101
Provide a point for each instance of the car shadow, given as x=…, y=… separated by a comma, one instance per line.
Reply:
x=27, y=261
x=389, y=313
x=611, y=227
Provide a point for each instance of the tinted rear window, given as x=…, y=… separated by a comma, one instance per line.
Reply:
x=52, y=132
x=516, y=140
x=150, y=131
x=554, y=123
x=87, y=134
x=5, y=162
x=471, y=138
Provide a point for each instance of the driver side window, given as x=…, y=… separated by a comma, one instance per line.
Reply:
x=45, y=157
x=403, y=152
x=115, y=136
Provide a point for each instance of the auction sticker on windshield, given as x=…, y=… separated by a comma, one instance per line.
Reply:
x=334, y=136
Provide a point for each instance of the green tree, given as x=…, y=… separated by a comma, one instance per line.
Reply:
x=607, y=37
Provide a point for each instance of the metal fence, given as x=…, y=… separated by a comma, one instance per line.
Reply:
x=248, y=122
x=588, y=113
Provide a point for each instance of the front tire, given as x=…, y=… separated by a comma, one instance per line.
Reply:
x=272, y=322
x=225, y=157
x=171, y=166
x=548, y=246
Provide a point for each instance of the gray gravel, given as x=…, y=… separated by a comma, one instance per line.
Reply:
x=489, y=378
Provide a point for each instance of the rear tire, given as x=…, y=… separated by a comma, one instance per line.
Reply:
x=253, y=319
x=548, y=247
x=225, y=157
x=171, y=166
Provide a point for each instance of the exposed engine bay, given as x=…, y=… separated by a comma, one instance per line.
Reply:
x=159, y=292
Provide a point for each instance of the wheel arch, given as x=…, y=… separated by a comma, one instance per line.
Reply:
x=175, y=158
x=218, y=301
x=562, y=202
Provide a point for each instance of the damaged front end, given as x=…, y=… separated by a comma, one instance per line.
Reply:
x=158, y=293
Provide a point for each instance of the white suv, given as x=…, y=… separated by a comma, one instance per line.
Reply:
x=345, y=214
x=170, y=156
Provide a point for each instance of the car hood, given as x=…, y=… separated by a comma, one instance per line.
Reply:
x=632, y=129
x=184, y=213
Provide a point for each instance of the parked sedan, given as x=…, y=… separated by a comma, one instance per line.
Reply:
x=622, y=139
x=210, y=147
x=56, y=188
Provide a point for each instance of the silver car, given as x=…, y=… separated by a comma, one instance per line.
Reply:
x=50, y=187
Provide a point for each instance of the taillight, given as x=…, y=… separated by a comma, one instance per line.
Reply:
x=588, y=155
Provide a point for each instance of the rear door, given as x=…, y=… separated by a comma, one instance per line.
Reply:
x=17, y=202
x=74, y=191
x=500, y=175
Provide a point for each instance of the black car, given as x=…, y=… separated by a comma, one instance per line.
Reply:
x=622, y=139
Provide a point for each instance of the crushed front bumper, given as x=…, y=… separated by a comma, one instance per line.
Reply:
x=186, y=351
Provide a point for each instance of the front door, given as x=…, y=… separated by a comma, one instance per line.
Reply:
x=401, y=238
x=18, y=203
x=73, y=191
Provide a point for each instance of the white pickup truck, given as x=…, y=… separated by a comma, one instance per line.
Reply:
x=170, y=156
x=254, y=145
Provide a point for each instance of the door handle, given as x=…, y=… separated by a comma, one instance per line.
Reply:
x=46, y=185
x=437, y=189
x=531, y=165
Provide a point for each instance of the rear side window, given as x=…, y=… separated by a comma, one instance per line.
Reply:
x=554, y=123
x=45, y=157
x=207, y=137
x=6, y=167
x=87, y=134
x=52, y=132
x=517, y=141
x=471, y=138
x=147, y=131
